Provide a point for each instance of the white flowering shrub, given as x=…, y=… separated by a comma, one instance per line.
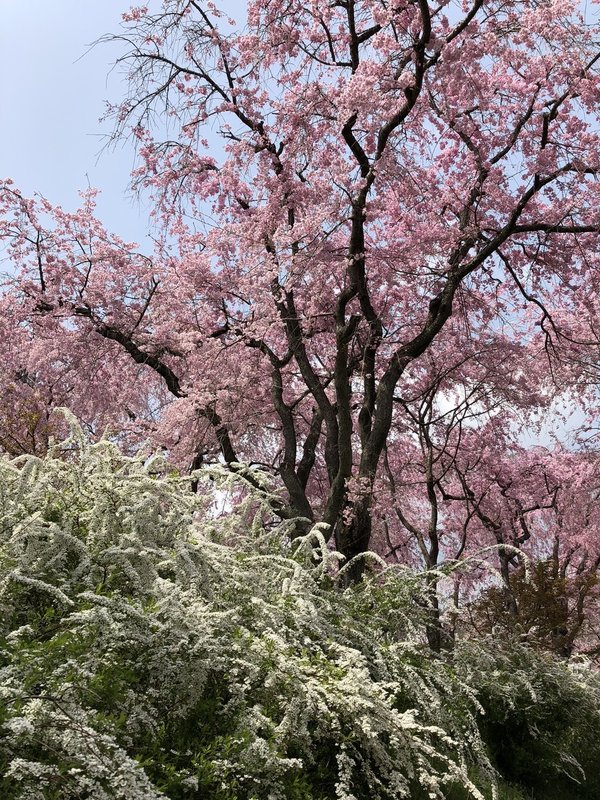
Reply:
x=150, y=649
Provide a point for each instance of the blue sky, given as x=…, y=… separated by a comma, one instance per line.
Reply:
x=52, y=94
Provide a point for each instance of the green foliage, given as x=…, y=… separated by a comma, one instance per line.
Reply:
x=505, y=791
x=541, y=717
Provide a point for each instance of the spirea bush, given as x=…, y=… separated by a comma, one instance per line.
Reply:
x=151, y=648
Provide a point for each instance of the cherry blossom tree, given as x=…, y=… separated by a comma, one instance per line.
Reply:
x=386, y=262
x=544, y=517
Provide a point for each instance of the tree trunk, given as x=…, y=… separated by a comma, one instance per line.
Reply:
x=353, y=535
